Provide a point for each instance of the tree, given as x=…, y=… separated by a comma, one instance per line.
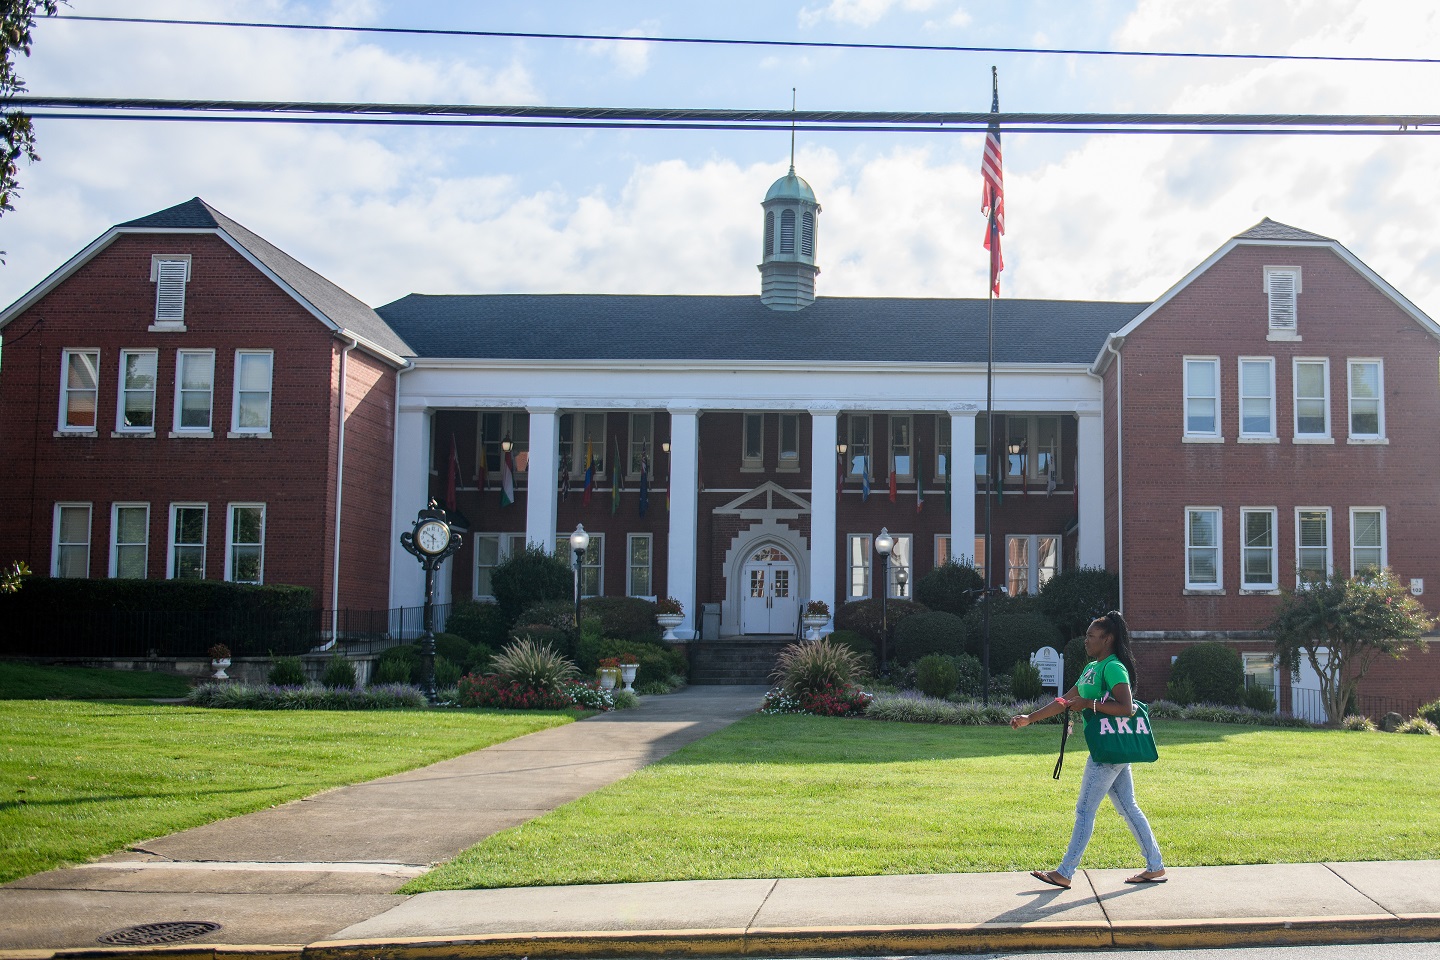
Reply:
x=1354, y=621
x=10, y=578
x=17, y=134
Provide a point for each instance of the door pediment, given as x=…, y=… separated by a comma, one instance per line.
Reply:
x=767, y=501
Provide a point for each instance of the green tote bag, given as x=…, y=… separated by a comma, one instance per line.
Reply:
x=1121, y=739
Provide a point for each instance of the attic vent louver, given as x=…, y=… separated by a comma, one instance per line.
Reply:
x=170, y=275
x=1283, y=287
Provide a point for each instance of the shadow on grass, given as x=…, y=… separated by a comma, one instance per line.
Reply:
x=7, y=806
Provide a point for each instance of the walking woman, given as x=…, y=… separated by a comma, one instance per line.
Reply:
x=1104, y=687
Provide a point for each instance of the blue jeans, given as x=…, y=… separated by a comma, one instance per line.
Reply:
x=1113, y=779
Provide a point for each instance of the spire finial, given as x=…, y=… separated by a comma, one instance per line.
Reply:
x=792, y=131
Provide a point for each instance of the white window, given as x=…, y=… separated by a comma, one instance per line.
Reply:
x=1032, y=447
x=637, y=578
x=135, y=413
x=1312, y=399
x=492, y=549
x=942, y=445
x=1312, y=544
x=902, y=447
x=253, y=372
x=70, y=549
x=902, y=557
x=977, y=559
x=1202, y=397
x=79, y=390
x=1367, y=400
x=1257, y=398
x=592, y=570
x=245, y=543
x=859, y=448
x=187, y=541
x=1259, y=670
x=130, y=540
x=642, y=444
x=789, y=441
x=1030, y=561
x=1202, y=548
x=495, y=428
x=1367, y=540
x=857, y=550
x=194, y=391
x=170, y=273
x=582, y=441
x=752, y=449
x=1282, y=290
x=1259, y=550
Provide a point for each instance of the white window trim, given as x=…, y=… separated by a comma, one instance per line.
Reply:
x=749, y=464
x=63, y=427
x=115, y=544
x=1384, y=537
x=577, y=447
x=120, y=390
x=1273, y=585
x=1327, y=436
x=236, y=431
x=597, y=540
x=1032, y=556
x=175, y=508
x=851, y=445
x=1287, y=331
x=894, y=586
x=55, y=534
x=176, y=430
x=230, y=509
x=630, y=539
x=1218, y=586
x=1351, y=436
x=169, y=324
x=1243, y=434
x=633, y=453
x=1329, y=539
x=868, y=565
x=908, y=474
x=502, y=553
x=1212, y=436
x=786, y=464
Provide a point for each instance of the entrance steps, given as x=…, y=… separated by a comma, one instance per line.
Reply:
x=736, y=660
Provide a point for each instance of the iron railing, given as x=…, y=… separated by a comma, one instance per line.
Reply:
x=1308, y=704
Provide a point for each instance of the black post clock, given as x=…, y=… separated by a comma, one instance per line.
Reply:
x=431, y=542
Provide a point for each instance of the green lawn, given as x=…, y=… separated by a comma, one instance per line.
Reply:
x=795, y=796
x=23, y=681
x=80, y=779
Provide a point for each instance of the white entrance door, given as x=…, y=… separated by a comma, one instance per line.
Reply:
x=769, y=603
x=1305, y=689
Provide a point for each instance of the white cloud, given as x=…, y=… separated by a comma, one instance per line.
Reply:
x=630, y=58
x=861, y=13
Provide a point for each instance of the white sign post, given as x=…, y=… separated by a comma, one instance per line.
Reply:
x=1051, y=665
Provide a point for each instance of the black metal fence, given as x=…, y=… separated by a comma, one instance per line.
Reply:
x=1307, y=703
x=127, y=634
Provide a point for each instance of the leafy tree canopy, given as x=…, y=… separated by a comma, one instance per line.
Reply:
x=17, y=134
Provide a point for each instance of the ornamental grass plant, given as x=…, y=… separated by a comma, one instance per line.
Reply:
x=815, y=665
x=533, y=664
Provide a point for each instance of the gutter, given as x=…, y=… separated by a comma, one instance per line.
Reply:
x=1110, y=345
x=339, y=493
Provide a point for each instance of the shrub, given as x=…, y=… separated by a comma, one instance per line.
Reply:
x=498, y=693
x=287, y=672
x=478, y=622
x=239, y=696
x=659, y=687
x=454, y=648
x=625, y=618
x=936, y=676
x=1431, y=712
x=534, y=664
x=394, y=670
x=1259, y=698
x=1214, y=671
x=927, y=633
x=657, y=663
x=950, y=587
x=1419, y=725
x=562, y=642
x=969, y=670
x=1017, y=629
x=1357, y=722
x=401, y=662
x=864, y=617
x=1073, y=598
x=447, y=672
x=624, y=699
x=1025, y=681
x=590, y=696
x=339, y=673
x=1180, y=690
x=559, y=614
x=528, y=577
x=1075, y=660
x=813, y=666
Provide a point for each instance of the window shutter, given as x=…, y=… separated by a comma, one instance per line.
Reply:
x=807, y=235
x=170, y=292
x=769, y=233
x=1282, y=289
x=787, y=231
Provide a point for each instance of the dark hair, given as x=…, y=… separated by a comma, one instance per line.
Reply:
x=1114, y=624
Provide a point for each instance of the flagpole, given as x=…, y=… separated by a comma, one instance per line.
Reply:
x=992, y=238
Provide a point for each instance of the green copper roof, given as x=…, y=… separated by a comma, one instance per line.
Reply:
x=790, y=187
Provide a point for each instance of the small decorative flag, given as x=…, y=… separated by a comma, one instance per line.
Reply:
x=865, y=479
x=507, y=480
x=589, y=470
x=919, y=482
x=1025, y=467
x=992, y=193
x=565, y=479
x=454, y=476
x=644, y=483
x=615, y=478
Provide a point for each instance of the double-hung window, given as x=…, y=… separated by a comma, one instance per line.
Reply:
x=642, y=444
x=859, y=448
x=1312, y=544
x=638, y=581
x=902, y=447
x=789, y=442
x=1030, y=562
x=582, y=442
x=592, y=567
x=1202, y=548
x=752, y=450
x=129, y=540
x=1259, y=552
x=1367, y=540
x=1257, y=398
x=135, y=413
x=857, y=552
x=187, y=541
x=495, y=428
x=942, y=447
x=491, y=549
x=1312, y=400
x=1367, y=400
x=902, y=557
x=194, y=391
x=253, y=372
x=70, y=550
x=943, y=554
x=80, y=391
x=1202, y=398
x=245, y=543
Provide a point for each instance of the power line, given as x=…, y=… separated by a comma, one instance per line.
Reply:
x=718, y=41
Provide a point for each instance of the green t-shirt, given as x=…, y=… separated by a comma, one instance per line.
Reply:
x=1099, y=677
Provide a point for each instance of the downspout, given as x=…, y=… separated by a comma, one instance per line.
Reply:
x=1119, y=467
x=339, y=495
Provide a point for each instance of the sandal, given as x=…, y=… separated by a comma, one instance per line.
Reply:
x=1052, y=877
x=1145, y=877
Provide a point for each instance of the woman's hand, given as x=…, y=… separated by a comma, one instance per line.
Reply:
x=1017, y=722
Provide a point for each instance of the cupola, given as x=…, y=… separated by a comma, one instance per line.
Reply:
x=787, y=266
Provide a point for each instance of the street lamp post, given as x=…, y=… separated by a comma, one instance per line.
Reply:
x=579, y=542
x=432, y=542
x=883, y=545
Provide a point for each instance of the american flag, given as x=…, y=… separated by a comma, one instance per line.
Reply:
x=992, y=193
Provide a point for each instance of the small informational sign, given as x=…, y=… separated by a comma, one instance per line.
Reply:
x=1051, y=666
x=1417, y=586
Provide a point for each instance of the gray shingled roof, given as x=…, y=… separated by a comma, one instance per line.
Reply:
x=1268, y=229
x=833, y=330
x=344, y=310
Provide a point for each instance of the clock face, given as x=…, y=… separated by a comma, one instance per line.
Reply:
x=432, y=537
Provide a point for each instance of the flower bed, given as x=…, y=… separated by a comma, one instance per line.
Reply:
x=241, y=696
x=845, y=700
x=496, y=692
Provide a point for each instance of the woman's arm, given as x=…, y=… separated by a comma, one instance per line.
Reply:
x=1059, y=705
x=1120, y=704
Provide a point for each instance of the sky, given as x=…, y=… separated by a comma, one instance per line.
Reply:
x=386, y=212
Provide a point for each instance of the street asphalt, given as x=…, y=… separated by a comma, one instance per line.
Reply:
x=317, y=877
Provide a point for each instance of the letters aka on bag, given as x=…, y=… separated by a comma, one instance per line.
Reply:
x=1121, y=739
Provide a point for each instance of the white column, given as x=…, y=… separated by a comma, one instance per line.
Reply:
x=823, y=424
x=542, y=496
x=684, y=514
x=962, y=484
x=410, y=495
x=1090, y=473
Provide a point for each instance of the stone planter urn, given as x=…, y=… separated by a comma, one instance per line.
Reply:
x=609, y=677
x=219, y=667
x=813, y=625
x=627, y=675
x=669, y=621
